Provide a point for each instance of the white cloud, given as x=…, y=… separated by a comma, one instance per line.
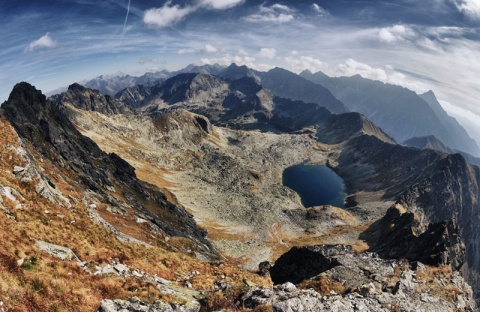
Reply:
x=279, y=7
x=352, y=67
x=470, y=8
x=170, y=14
x=269, y=53
x=276, y=13
x=220, y=4
x=166, y=15
x=43, y=42
x=394, y=33
x=387, y=74
x=294, y=52
x=319, y=10
x=148, y=60
x=210, y=49
x=298, y=64
x=186, y=51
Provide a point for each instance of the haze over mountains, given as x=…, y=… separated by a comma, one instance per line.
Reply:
x=401, y=113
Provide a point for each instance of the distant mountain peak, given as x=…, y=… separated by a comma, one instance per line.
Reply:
x=76, y=87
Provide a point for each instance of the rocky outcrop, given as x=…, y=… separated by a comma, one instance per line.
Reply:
x=301, y=263
x=436, y=187
x=395, y=237
x=92, y=100
x=337, y=279
x=450, y=191
x=287, y=297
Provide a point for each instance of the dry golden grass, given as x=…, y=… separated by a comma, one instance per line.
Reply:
x=324, y=286
x=45, y=283
x=430, y=279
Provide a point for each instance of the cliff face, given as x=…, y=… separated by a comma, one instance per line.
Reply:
x=434, y=187
x=449, y=192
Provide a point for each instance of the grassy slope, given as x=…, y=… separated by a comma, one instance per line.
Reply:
x=45, y=283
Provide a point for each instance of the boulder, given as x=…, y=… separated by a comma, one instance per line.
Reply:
x=301, y=263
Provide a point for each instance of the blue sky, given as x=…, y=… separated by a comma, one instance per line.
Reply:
x=422, y=45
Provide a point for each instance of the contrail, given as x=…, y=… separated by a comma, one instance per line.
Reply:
x=126, y=17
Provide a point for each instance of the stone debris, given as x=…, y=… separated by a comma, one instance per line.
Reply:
x=368, y=283
x=136, y=305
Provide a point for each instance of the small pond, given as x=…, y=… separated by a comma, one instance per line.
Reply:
x=262, y=126
x=317, y=185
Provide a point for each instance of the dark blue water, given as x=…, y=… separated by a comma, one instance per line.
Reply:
x=316, y=185
x=262, y=126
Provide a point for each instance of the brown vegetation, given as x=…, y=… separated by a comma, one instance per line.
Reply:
x=45, y=283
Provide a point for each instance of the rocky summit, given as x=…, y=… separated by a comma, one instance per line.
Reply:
x=169, y=196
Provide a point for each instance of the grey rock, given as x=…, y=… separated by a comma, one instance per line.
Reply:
x=18, y=169
x=121, y=268
x=136, y=305
x=60, y=252
x=370, y=283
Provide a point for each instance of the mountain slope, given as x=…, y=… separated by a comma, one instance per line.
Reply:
x=45, y=126
x=430, y=142
x=398, y=111
x=286, y=84
x=435, y=186
x=230, y=180
x=457, y=131
x=433, y=143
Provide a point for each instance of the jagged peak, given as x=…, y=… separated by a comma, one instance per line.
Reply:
x=24, y=87
x=76, y=87
x=23, y=101
x=306, y=72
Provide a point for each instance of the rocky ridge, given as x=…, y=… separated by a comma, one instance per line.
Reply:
x=340, y=280
x=240, y=101
x=431, y=142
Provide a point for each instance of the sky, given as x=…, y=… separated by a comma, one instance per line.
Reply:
x=420, y=44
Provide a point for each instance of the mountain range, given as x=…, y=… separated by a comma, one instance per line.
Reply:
x=398, y=111
x=172, y=191
x=401, y=113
